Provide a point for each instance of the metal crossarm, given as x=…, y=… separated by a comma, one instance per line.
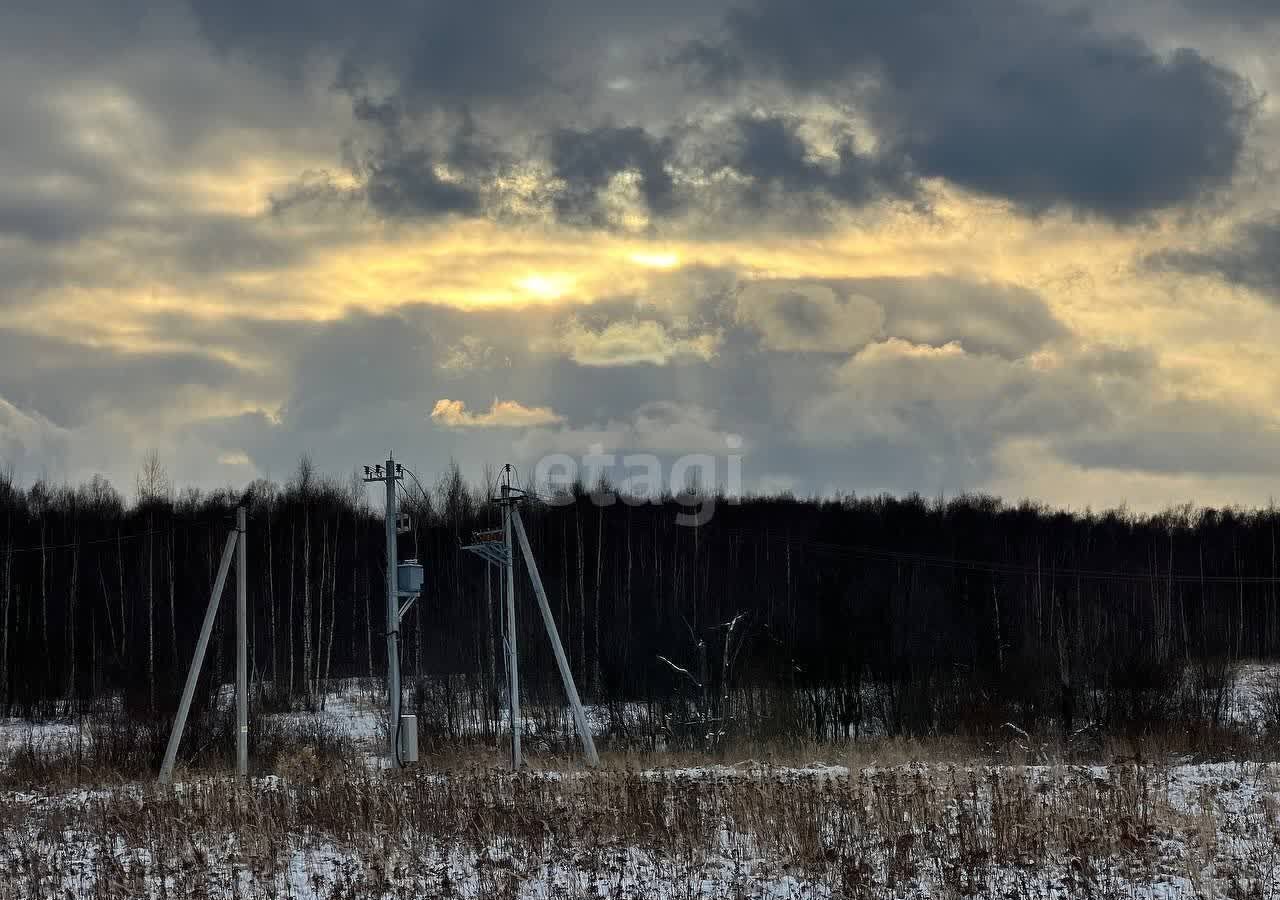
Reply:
x=494, y=553
x=489, y=545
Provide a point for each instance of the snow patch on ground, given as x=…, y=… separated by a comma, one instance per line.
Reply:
x=1255, y=699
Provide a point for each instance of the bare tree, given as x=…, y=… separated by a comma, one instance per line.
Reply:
x=306, y=598
x=333, y=596
x=153, y=486
x=72, y=595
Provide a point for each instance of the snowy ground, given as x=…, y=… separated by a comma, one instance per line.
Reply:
x=821, y=832
x=355, y=710
x=327, y=829
x=15, y=733
x=1256, y=695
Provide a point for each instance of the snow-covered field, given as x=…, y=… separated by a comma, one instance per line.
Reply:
x=916, y=831
x=335, y=827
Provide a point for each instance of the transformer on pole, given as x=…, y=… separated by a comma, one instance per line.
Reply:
x=404, y=581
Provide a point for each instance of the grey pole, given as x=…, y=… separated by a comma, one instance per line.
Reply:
x=242, y=651
x=566, y=675
x=513, y=676
x=193, y=674
x=393, y=611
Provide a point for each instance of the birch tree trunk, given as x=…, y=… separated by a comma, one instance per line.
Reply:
x=151, y=614
x=271, y=605
x=124, y=613
x=333, y=597
x=306, y=601
x=173, y=612
x=595, y=625
x=324, y=573
x=293, y=568
x=71, y=624
x=368, y=628
x=44, y=601
x=582, y=598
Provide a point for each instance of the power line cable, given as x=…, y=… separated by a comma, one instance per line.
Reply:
x=72, y=545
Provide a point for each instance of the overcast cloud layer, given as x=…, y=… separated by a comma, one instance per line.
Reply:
x=1022, y=246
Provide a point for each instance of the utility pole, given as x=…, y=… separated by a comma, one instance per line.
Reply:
x=496, y=548
x=513, y=674
x=393, y=474
x=242, y=650
x=485, y=545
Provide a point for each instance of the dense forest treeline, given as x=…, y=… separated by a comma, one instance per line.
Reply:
x=817, y=618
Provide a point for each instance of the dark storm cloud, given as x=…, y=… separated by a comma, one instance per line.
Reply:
x=711, y=64
x=1243, y=12
x=68, y=381
x=1008, y=97
x=53, y=189
x=1251, y=259
x=78, y=31
x=99, y=131
x=984, y=317
x=587, y=160
x=405, y=184
x=337, y=368
x=446, y=52
x=399, y=175
x=351, y=388
x=43, y=219
x=770, y=151
x=442, y=50
x=801, y=316
x=936, y=419
x=1180, y=437
x=1013, y=99
x=767, y=151
x=204, y=246
x=991, y=318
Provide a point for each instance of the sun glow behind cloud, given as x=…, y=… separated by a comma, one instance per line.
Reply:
x=545, y=287
x=213, y=226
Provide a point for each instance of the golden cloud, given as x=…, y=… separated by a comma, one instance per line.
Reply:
x=502, y=414
x=625, y=343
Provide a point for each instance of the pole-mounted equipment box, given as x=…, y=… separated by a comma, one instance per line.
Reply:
x=409, y=577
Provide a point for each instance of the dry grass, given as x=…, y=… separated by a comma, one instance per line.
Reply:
x=338, y=829
x=755, y=819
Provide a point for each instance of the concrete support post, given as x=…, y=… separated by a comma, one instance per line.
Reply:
x=566, y=674
x=193, y=674
x=393, y=616
x=513, y=674
x=242, y=649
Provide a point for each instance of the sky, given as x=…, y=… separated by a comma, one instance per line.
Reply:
x=1025, y=247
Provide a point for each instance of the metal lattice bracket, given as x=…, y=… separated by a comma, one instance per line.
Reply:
x=489, y=546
